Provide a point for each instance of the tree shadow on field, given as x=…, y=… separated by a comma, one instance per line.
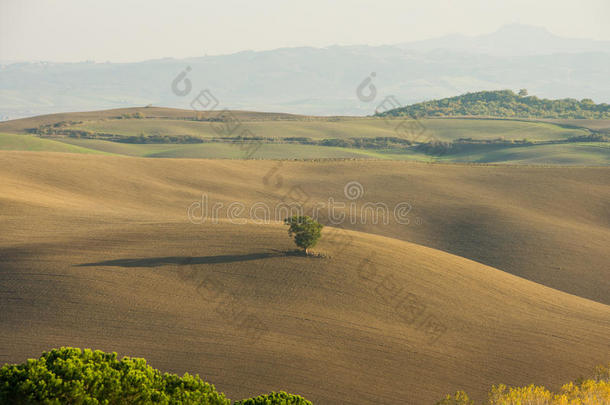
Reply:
x=185, y=260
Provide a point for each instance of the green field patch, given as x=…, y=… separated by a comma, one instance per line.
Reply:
x=34, y=143
x=555, y=154
x=218, y=150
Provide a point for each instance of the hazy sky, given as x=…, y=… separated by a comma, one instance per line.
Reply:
x=133, y=30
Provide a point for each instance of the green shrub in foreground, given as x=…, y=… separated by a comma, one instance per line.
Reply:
x=275, y=398
x=71, y=376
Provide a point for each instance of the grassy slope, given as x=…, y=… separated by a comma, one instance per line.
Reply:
x=442, y=129
x=578, y=153
x=94, y=254
x=20, y=125
x=564, y=154
x=31, y=143
x=165, y=121
x=220, y=150
x=591, y=124
x=170, y=121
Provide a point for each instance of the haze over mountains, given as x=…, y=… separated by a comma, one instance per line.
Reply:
x=322, y=81
x=511, y=40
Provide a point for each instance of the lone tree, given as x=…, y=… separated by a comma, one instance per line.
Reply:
x=523, y=93
x=306, y=231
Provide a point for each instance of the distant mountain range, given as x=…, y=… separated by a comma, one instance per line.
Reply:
x=321, y=81
x=511, y=40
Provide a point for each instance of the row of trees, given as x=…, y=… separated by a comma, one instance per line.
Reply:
x=439, y=148
x=51, y=130
x=504, y=103
x=137, y=115
x=141, y=139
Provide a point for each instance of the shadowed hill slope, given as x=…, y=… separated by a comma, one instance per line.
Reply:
x=380, y=321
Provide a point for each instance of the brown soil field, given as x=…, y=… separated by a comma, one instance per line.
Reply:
x=97, y=251
x=550, y=225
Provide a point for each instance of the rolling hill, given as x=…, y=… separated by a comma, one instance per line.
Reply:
x=165, y=132
x=97, y=251
x=340, y=128
x=546, y=224
x=171, y=121
x=31, y=143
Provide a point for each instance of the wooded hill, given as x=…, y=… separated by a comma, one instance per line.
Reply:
x=504, y=103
